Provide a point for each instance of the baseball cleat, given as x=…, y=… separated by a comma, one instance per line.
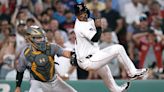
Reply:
x=125, y=87
x=139, y=74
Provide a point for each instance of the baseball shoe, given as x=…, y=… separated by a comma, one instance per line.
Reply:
x=125, y=86
x=139, y=74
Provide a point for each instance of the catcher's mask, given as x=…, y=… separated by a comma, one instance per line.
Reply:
x=81, y=8
x=36, y=37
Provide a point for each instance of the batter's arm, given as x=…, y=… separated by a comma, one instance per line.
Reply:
x=97, y=36
x=72, y=56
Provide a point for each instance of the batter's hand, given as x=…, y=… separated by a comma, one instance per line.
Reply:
x=18, y=89
x=73, y=60
x=98, y=22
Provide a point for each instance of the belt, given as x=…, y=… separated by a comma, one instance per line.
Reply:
x=54, y=78
x=89, y=56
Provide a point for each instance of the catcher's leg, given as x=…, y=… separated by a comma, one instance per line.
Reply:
x=61, y=86
x=35, y=86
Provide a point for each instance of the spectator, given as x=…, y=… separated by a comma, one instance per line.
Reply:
x=4, y=31
x=104, y=25
x=6, y=9
x=137, y=27
x=26, y=4
x=59, y=14
x=154, y=11
x=54, y=26
x=132, y=11
x=145, y=5
x=157, y=27
x=45, y=17
x=50, y=35
x=50, y=12
x=38, y=9
x=162, y=3
x=69, y=3
x=33, y=21
x=149, y=49
x=121, y=6
x=114, y=64
x=71, y=42
x=47, y=4
x=68, y=24
x=20, y=40
x=30, y=22
x=96, y=13
x=20, y=15
x=96, y=5
x=12, y=5
x=115, y=22
x=7, y=55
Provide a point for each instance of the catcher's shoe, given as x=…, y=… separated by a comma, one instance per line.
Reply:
x=125, y=86
x=139, y=74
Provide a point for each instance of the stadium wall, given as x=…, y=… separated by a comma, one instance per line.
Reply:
x=94, y=86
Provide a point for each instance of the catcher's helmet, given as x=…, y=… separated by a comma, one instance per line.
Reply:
x=80, y=8
x=33, y=33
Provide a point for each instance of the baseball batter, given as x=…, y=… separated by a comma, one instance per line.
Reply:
x=38, y=58
x=90, y=57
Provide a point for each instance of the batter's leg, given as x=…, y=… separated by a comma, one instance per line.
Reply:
x=107, y=77
x=104, y=56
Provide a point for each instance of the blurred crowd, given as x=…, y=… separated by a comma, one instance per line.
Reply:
x=136, y=24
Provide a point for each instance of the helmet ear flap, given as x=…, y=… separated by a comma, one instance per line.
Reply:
x=76, y=9
x=88, y=12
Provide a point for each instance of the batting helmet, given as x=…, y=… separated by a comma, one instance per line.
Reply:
x=81, y=8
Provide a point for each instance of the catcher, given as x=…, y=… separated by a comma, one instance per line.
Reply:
x=38, y=58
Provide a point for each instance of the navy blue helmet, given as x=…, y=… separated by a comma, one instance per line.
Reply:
x=81, y=8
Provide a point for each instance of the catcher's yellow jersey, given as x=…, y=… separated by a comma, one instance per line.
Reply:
x=39, y=63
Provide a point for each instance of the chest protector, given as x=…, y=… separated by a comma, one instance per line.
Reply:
x=42, y=64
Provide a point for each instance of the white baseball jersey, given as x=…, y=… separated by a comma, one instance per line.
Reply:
x=84, y=33
x=99, y=59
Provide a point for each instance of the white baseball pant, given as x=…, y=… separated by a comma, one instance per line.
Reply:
x=100, y=59
x=57, y=85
